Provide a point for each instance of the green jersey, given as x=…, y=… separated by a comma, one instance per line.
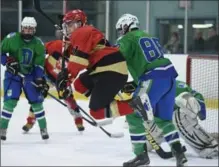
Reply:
x=28, y=54
x=144, y=55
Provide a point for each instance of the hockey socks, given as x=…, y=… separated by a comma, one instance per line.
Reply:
x=39, y=114
x=170, y=133
x=7, y=111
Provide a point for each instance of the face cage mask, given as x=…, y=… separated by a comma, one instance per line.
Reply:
x=27, y=37
x=64, y=27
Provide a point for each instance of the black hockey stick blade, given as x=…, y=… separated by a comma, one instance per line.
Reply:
x=38, y=8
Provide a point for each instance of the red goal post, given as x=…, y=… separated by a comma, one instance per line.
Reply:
x=202, y=76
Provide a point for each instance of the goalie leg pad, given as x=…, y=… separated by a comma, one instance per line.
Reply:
x=194, y=135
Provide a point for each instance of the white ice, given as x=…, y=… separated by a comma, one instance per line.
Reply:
x=66, y=147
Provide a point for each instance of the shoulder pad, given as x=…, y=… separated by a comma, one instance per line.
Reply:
x=11, y=34
x=40, y=40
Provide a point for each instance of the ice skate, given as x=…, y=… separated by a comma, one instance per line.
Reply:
x=140, y=160
x=3, y=134
x=44, y=134
x=178, y=152
x=27, y=127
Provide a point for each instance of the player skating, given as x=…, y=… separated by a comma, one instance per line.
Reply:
x=52, y=68
x=23, y=53
x=155, y=76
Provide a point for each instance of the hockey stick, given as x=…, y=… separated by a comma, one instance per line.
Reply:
x=38, y=8
x=113, y=135
x=135, y=103
x=103, y=123
x=93, y=122
x=64, y=49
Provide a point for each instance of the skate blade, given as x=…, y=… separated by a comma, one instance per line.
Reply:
x=144, y=165
x=185, y=164
x=80, y=132
x=25, y=132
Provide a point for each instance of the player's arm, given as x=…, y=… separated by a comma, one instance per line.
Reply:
x=79, y=56
x=9, y=61
x=125, y=46
x=39, y=63
x=5, y=48
x=39, y=60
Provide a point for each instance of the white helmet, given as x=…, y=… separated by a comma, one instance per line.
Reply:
x=127, y=21
x=27, y=23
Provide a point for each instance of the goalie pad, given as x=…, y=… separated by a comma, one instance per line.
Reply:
x=194, y=135
x=189, y=105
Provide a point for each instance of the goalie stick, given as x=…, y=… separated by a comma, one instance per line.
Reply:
x=93, y=122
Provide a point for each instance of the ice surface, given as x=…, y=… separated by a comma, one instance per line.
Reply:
x=67, y=147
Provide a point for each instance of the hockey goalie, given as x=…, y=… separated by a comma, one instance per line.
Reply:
x=189, y=109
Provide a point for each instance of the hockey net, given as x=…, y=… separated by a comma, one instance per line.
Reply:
x=202, y=76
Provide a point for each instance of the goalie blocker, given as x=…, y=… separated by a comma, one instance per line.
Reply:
x=189, y=107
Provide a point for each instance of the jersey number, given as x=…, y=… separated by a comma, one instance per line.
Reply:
x=27, y=55
x=151, y=48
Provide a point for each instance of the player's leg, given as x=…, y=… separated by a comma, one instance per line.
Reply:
x=75, y=112
x=84, y=83
x=12, y=91
x=31, y=119
x=164, y=112
x=102, y=103
x=138, y=140
x=35, y=98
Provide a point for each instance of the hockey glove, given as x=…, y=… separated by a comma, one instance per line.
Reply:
x=62, y=84
x=12, y=66
x=42, y=86
x=65, y=93
x=129, y=87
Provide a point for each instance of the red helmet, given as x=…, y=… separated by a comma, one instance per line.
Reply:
x=75, y=15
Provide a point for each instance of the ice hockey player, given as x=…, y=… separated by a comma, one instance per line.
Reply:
x=105, y=65
x=52, y=68
x=23, y=53
x=155, y=76
x=189, y=105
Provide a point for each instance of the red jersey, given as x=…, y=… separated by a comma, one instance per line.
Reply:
x=89, y=47
x=53, y=61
